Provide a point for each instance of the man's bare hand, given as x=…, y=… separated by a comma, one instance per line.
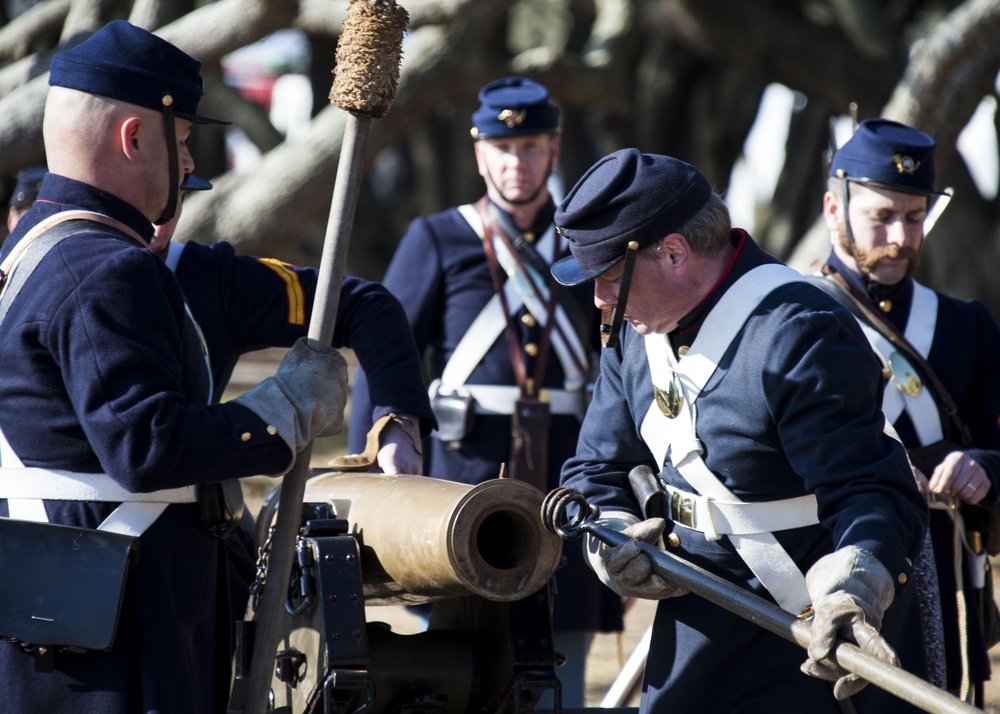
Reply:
x=400, y=450
x=960, y=476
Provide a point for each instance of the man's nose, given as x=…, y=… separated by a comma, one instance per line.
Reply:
x=900, y=233
x=605, y=294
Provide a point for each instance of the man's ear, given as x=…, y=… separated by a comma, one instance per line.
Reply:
x=832, y=210
x=129, y=135
x=675, y=249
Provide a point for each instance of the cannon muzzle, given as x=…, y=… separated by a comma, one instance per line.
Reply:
x=424, y=539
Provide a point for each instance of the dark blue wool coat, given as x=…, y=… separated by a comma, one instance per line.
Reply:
x=793, y=408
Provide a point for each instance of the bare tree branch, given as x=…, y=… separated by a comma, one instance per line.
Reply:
x=221, y=27
x=781, y=46
x=85, y=17
x=866, y=26
x=36, y=28
x=949, y=73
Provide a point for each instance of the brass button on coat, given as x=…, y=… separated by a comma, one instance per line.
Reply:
x=673, y=540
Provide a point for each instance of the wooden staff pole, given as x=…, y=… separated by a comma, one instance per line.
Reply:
x=747, y=605
x=368, y=56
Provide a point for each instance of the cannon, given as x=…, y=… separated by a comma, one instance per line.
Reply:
x=479, y=555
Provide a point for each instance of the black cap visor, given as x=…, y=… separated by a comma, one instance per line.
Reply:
x=567, y=271
x=195, y=183
x=198, y=119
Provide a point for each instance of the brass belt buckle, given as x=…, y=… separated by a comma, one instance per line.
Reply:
x=682, y=510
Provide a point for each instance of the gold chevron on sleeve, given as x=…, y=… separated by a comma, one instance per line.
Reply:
x=293, y=290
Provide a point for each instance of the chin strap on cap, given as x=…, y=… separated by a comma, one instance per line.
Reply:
x=611, y=318
x=171, y=136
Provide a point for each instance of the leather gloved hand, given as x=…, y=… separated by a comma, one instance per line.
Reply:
x=629, y=571
x=306, y=396
x=850, y=590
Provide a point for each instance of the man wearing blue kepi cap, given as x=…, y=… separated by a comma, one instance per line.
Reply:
x=785, y=484
x=510, y=350
x=106, y=425
x=943, y=354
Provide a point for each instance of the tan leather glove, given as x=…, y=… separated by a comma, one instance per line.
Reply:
x=629, y=571
x=306, y=396
x=850, y=590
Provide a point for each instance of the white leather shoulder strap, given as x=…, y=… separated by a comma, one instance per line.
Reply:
x=920, y=327
x=484, y=330
x=721, y=326
x=762, y=553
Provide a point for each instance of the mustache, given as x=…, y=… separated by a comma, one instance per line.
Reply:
x=873, y=256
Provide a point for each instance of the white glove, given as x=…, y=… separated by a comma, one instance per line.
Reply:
x=306, y=396
x=850, y=590
x=625, y=568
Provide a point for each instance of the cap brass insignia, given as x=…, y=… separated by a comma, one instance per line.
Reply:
x=905, y=164
x=512, y=117
x=669, y=400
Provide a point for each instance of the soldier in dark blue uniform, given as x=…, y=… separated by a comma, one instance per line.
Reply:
x=503, y=338
x=105, y=377
x=756, y=399
x=944, y=356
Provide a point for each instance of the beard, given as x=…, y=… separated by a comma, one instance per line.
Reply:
x=868, y=260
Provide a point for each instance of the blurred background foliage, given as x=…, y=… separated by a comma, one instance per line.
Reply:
x=753, y=92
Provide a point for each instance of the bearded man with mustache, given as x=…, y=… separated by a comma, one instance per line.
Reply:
x=942, y=363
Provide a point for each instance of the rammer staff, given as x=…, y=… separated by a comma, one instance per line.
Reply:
x=566, y=512
x=367, y=71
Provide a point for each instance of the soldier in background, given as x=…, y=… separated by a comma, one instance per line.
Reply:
x=510, y=350
x=943, y=354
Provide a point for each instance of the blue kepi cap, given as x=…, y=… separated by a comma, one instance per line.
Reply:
x=29, y=182
x=888, y=153
x=626, y=196
x=514, y=106
x=124, y=62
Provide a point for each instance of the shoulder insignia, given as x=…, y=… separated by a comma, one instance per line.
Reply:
x=293, y=289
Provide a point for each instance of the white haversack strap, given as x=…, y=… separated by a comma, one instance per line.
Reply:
x=920, y=326
x=128, y=519
x=25, y=489
x=54, y=485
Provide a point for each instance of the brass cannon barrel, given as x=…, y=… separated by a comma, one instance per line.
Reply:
x=424, y=539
